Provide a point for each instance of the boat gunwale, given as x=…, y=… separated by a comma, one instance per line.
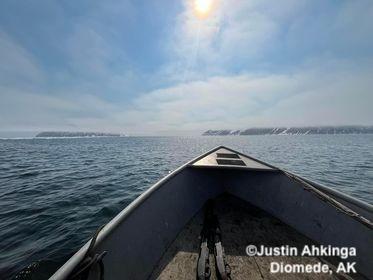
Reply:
x=64, y=271
x=338, y=194
x=348, y=198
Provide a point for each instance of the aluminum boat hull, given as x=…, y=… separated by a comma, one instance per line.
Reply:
x=137, y=238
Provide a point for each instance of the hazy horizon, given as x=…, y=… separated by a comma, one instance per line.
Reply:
x=32, y=133
x=172, y=67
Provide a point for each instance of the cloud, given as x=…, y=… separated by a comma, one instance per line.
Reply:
x=234, y=34
x=263, y=36
x=24, y=110
x=250, y=63
x=310, y=96
x=263, y=63
x=18, y=66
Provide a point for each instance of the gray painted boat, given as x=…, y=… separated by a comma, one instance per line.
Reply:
x=157, y=235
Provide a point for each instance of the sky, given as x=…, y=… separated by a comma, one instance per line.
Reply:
x=173, y=66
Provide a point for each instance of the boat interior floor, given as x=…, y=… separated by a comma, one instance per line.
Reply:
x=241, y=224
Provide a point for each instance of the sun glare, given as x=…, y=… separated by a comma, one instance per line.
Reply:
x=203, y=7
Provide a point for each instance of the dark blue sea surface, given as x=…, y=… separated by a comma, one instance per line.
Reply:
x=54, y=193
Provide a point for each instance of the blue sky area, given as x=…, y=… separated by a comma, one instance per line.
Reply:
x=165, y=67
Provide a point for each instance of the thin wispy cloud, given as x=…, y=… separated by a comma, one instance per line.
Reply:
x=239, y=101
x=142, y=68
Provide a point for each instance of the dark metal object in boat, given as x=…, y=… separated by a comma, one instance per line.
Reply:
x=211, y=237
x=223, y=269
x=203, y=265
x=89, y=261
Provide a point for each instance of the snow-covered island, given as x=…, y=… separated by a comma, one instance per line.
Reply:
x=60, y=134
x=293, y=130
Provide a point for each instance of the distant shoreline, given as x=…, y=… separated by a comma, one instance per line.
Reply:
x=56, y=134
x=329, y=130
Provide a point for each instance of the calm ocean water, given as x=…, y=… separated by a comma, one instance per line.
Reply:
x=54, y=193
